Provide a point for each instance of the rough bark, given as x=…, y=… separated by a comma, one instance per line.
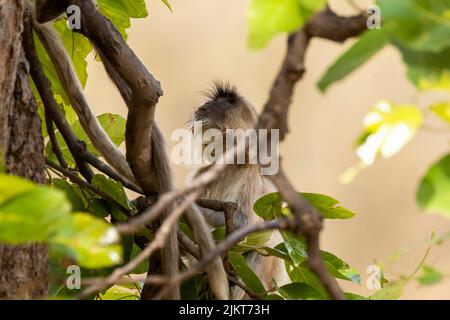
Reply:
x=23, y=269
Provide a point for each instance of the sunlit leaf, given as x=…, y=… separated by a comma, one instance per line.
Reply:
x=119, y=292
x=392, y=291
x=339, y=269
x=429, y=276
x=92, y=242
x=442, y=110
x=387, y=129
x=267, y=18
x=167, y=4
x=11, y=186
x=33, y=216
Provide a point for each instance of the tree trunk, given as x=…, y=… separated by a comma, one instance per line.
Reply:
x=23, y=269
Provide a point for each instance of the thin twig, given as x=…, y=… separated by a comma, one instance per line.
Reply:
x=228, y=243
x=73, y=176
x=53, y=141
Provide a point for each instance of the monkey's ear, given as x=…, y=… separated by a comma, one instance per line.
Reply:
x=47, y=10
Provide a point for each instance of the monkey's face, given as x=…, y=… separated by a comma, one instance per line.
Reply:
x=225, y=109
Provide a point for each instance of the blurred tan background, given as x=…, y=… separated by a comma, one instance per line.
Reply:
x=206, y=40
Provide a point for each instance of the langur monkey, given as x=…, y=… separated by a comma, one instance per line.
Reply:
x=239, y=183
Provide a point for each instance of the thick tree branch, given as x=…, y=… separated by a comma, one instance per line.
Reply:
x=145, y=89
x=326, y=25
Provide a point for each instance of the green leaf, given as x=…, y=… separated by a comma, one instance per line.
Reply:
x=71, y=194
x=112, y=188
x=329, y=207
x=340, y=269
x=353, y=296
x=33, y=216
x=248, y=276
x=190, y=289
x=442, y=110
x=419, y=24
x=113, y=124
x=78, y=48
x=167, y=4
x=302, y=274
x=92, y=242
x=121, y=293
x=391, y=291
x=388, y=128
x=99, y=208
x=135, y=8
x=427, y=70
x=278, y=251
x=297, y=255
x=120, y=12
x=295, y=247
x=270, y=206
x=365, y=48
x=11, y=186
x=433, y=194
x=50, y=71
x=429, y=276
x=267, y=18
x=255, y=240
x=299, y=291
x=143, y=266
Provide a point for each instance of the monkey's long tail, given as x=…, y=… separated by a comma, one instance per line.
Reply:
x=216, y=272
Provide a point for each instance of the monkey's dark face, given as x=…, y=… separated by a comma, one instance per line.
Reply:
x=225, y=109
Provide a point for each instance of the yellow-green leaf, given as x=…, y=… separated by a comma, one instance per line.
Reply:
x=388, y=128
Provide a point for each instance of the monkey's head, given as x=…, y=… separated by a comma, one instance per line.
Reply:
x=225, y=109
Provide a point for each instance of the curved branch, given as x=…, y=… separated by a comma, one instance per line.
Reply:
x=71, y=84
x=145, y=90
x=76, y=147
